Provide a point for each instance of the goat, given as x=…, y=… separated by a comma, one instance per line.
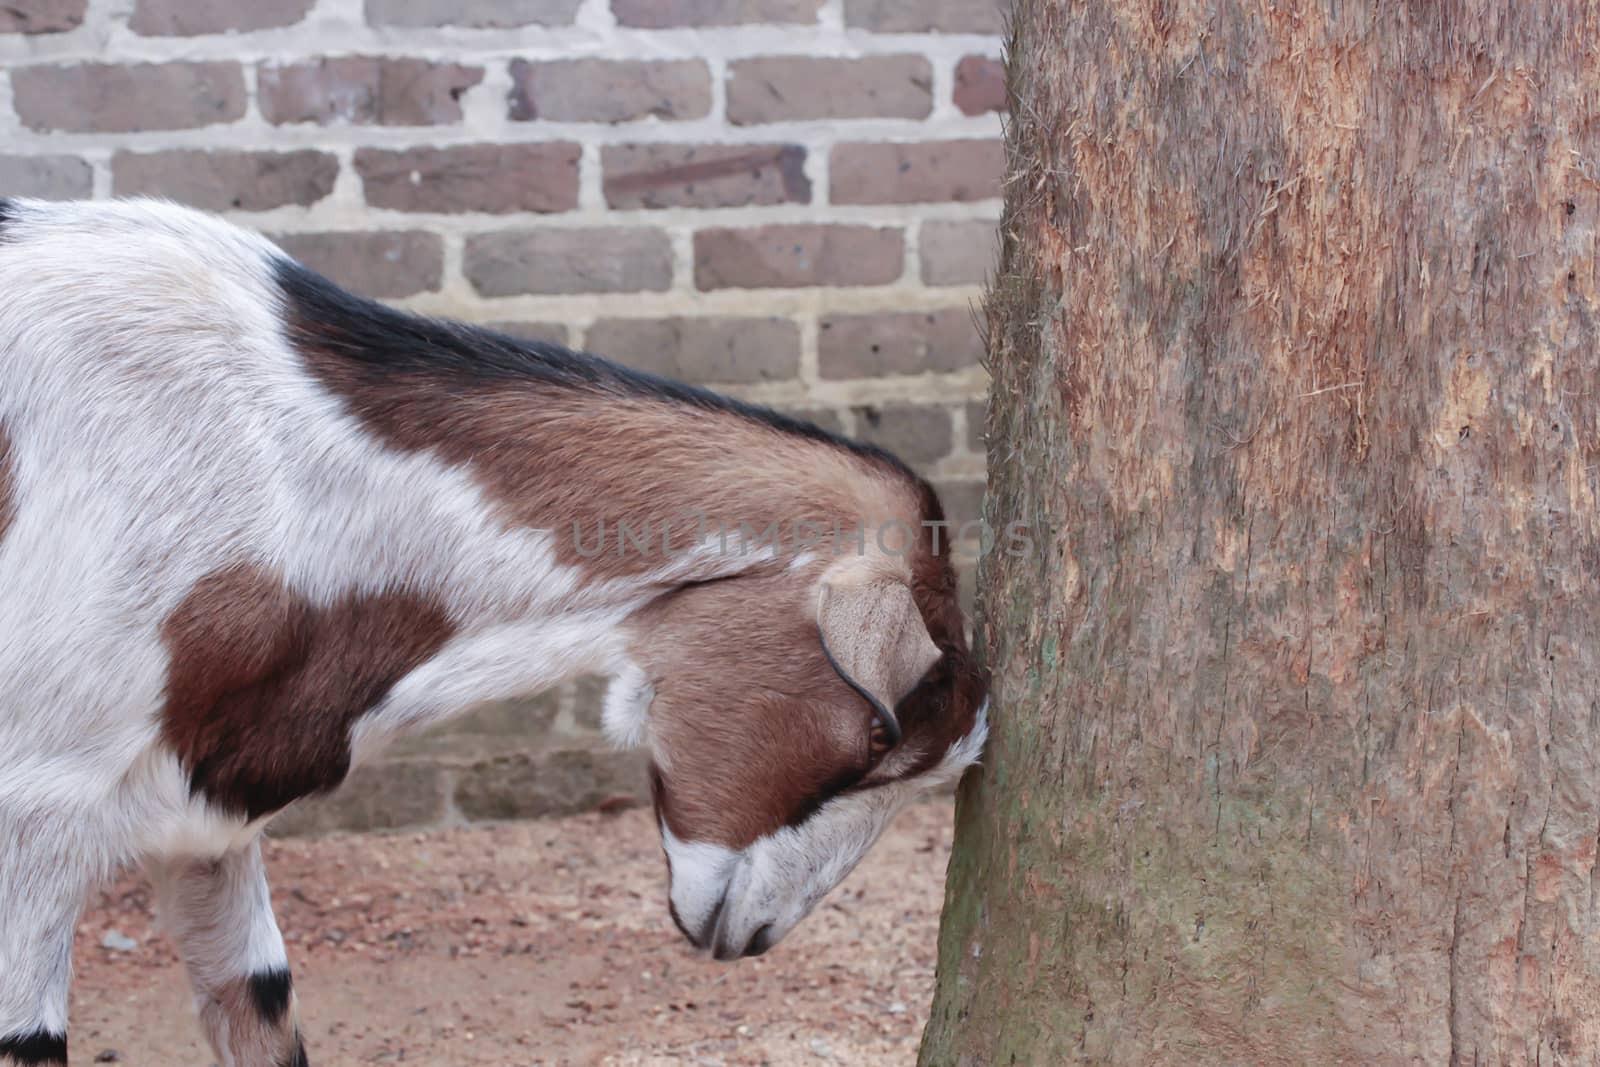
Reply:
x=253, y=526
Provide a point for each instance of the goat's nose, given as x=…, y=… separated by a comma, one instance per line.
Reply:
x=759, y=942
x=762, y=941
x=701, y=938
x=708, y=929
x=677, y=920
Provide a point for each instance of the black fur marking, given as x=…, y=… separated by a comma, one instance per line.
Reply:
x=297, y=1058
x=383, y=340
x=7, y=212
x=39, y=1048
x=270, y=991
x=840, y=784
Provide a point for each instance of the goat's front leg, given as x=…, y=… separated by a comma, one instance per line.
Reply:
x=42, y=886
x=221, y=915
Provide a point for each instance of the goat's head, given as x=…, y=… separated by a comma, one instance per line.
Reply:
x=790, y=714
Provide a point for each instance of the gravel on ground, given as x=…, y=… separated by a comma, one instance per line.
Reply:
x=537, y=943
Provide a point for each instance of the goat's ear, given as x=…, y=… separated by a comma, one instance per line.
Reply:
x=875, y=638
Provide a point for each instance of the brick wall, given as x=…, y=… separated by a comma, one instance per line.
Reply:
x=790, y=200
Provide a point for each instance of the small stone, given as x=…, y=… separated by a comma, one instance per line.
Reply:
x=611, y=805
x=897, y=1008
x=117, y=941
x=108, y=1055
x=821, y=1049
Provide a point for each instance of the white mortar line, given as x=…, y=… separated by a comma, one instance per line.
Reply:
x=453, y=280
x=596, y=17
x=724, y=302
x=340, y=26
x=809, y=373
x=485, y=121
x=958, y=433
x=11, y=130
x=682, y=238
x=332, y=213
x=591, y=194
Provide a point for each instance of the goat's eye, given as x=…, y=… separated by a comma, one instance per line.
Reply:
x=878, y=742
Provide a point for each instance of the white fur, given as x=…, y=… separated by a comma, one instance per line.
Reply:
x=220, y=914
x=776, y=881
x=625, y=717
x=162, y=427
x=700, y=875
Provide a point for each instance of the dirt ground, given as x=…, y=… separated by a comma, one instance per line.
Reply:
x=537, y=943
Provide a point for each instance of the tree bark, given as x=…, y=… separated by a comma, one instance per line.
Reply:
x=1296, y=729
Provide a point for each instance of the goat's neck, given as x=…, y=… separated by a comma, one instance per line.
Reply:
x=699, y=493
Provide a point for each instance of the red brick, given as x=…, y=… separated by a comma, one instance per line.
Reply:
x=980, y=85
x=365, y=90
x=727, y=351
x=919, y=435
x=704, y=175
x=111, y=98
x=519, y=783
x=920, y=172
x=922, y=16
x=957, y=252
x=586, y=260
x=608, y=90
x=385, y=265
x=41, y=16
x=911, y=342
x=46, y=177
x=766, y=257
x=825, y=418
x=664, y=14
x=224, y=180
x=378, y=796
x=788, y=88
x=963, y=504
x=549, y=332
x=188, y=18
x=480, y=14
x=492, y=178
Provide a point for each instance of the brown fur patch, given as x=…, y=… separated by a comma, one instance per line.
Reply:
x=564, y=443
x=753, y=720
x=264, y=686
x=8, y=484
x=757, y=728
x=581, y=464
x=944, y=708
x=234, y=1024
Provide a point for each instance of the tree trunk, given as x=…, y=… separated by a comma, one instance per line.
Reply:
x=1296, y=746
